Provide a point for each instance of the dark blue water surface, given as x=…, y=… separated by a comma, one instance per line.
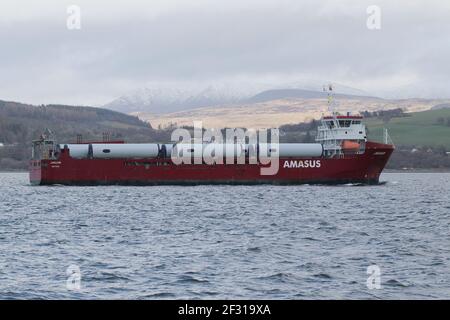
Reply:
x=211, y=242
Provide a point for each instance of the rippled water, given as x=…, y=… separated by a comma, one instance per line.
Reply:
x=209, y=242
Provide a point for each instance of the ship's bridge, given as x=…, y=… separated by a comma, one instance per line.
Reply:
x=342, y=134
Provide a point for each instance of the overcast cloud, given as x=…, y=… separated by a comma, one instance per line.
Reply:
x=124, y=45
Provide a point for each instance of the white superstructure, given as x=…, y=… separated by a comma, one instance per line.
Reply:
x=341, y=134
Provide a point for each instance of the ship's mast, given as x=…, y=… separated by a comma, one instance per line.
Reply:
x=331, y=101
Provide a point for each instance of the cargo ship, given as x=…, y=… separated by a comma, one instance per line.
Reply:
x=341, y=154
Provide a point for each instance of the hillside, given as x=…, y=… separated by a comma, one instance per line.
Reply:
x=275, y=113
x=421, y=129
x=422, y=139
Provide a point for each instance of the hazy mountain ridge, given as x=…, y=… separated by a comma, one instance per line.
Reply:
x=276, y=94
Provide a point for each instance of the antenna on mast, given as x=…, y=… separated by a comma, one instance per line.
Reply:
x=331, y=102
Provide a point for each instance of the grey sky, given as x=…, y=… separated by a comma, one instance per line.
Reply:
x=124, y=45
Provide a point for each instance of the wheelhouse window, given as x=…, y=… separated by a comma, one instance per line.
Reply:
x=345, y=123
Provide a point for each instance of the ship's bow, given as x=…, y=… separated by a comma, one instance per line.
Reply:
x=377, y=155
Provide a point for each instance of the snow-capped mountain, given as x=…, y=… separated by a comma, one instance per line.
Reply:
x=163, y=98
x=152, y=99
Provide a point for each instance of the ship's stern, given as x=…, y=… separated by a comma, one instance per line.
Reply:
x=35, y=172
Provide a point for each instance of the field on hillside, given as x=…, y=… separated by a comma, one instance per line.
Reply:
x=428, y=128
x=278, y=112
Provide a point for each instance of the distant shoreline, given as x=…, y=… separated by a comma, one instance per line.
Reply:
x=424, y=170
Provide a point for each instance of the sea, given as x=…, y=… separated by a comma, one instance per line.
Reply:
x=386, y=241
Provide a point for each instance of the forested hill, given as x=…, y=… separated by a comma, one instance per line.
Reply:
x=21, y=123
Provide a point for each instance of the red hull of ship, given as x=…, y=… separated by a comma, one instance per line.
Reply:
x=356, y=168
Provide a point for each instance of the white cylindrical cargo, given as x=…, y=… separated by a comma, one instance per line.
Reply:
x=128, y=150
x=300, y=149
x=291, y=149
x=188, y=150
x=234, y=150
x=198, y=150
x=151, y=150
x=266, y=149
x=78, y=151
x=169, y=148
x=251, y=150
